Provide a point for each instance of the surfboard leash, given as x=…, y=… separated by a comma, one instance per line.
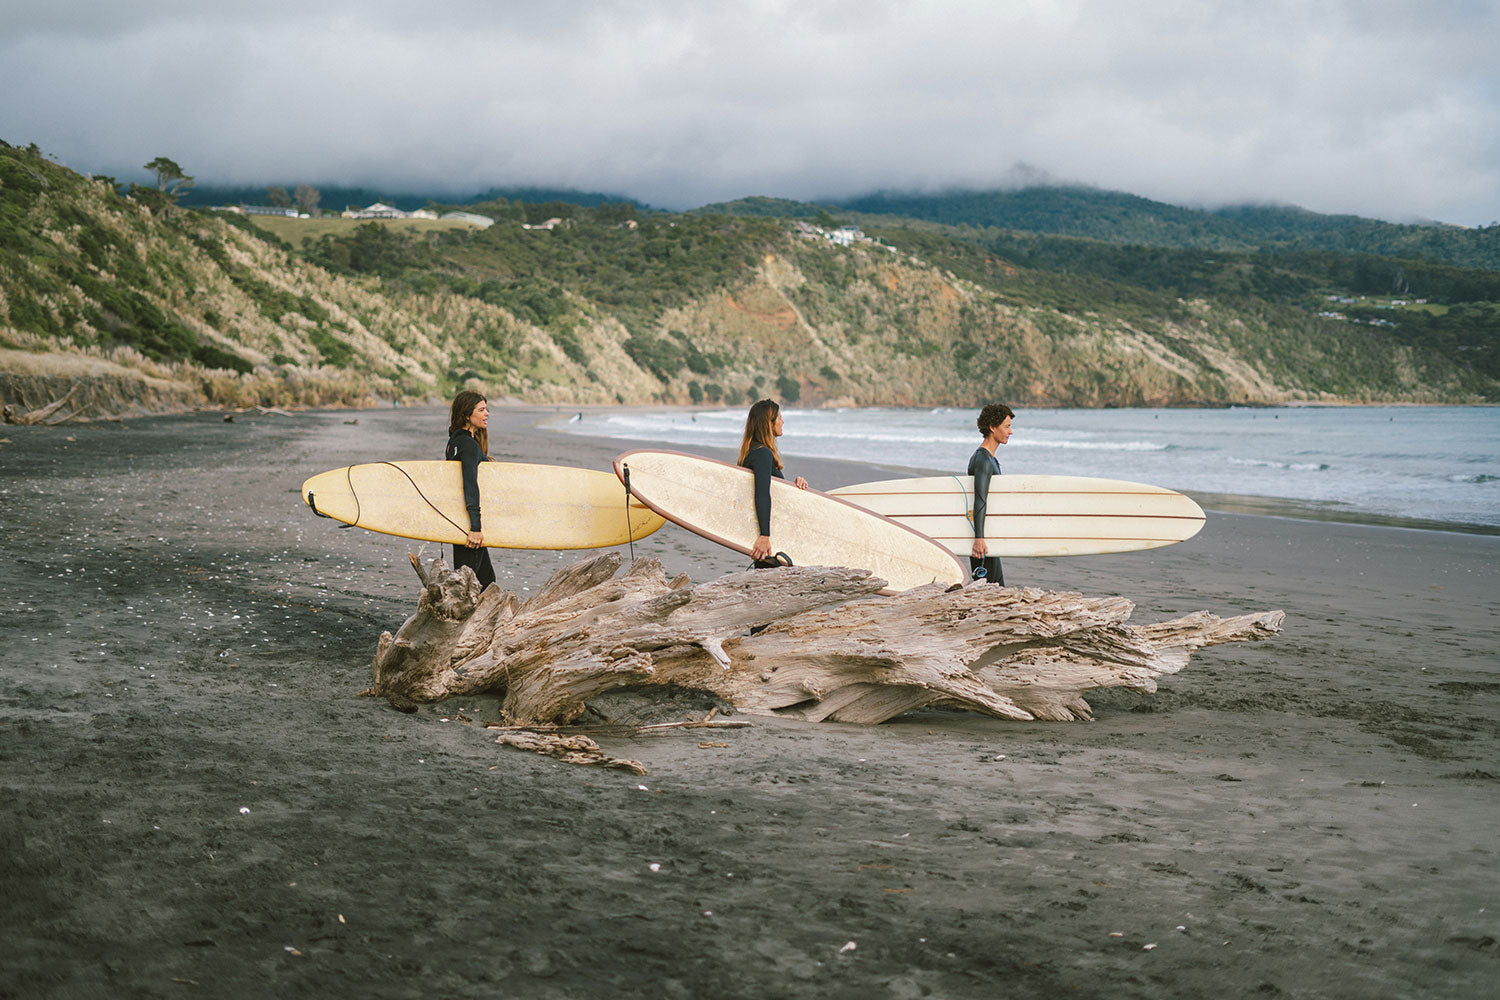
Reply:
x=968, y=507
x=418, y=490
x=629, y=532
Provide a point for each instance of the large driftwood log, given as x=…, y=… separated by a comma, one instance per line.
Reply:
x=813, y=643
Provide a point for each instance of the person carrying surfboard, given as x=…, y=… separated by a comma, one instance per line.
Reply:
x=469, y=444
x=759, y=454
x=994, y=423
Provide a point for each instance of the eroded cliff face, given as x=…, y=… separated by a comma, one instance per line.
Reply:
x=26, y=398
x=898, y=333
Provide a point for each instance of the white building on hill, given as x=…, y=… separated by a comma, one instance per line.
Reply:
x=379, y=210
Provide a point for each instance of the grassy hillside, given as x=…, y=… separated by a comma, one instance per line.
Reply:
x=616, y=306
x=1116, y=217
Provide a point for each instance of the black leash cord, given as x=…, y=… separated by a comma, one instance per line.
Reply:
x=629, y=531
x=461, y=529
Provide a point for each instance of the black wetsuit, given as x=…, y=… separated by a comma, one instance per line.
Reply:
x=464, y=449
x=983, y=466
x=760, y=461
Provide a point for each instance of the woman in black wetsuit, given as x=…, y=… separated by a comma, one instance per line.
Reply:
x=758, y=454
x=469, y=444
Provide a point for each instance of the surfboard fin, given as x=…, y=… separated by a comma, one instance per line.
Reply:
x=313, y=504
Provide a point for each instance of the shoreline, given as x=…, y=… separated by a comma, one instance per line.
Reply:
x=548, y=415
x=198, y=795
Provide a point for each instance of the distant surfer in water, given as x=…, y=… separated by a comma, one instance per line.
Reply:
x=758, y=453
x=469, y=444
x=994, y=423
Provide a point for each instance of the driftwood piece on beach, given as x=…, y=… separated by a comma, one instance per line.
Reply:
x=816, y=643
x=43, y=414
x=570, y=749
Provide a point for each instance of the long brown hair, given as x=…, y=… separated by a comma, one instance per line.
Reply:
x=760, y=428
x=463, y=409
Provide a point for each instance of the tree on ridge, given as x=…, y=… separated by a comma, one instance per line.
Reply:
x=169, y=176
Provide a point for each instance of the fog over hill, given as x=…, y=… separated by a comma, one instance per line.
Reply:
x=1383, y=111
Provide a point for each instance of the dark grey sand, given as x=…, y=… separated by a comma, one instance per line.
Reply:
x=196, y=802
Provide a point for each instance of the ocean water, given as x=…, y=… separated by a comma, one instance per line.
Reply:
x=1425, y=463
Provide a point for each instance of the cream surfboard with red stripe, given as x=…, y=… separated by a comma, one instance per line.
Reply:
x=522, y=506
x=717, y=500
x=1035, y=515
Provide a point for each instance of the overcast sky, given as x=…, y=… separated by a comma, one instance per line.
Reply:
x=1384, y=108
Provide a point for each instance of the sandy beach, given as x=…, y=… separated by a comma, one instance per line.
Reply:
x=198, y=803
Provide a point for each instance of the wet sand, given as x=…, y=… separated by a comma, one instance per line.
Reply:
x=197, y=803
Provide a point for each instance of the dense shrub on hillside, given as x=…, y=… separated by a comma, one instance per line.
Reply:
x=371, y=249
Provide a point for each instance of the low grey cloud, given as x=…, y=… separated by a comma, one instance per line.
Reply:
x=1384, y=108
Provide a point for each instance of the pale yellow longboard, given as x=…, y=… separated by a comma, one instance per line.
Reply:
x=1035, y=515
x=717, y=500
x=521, y=506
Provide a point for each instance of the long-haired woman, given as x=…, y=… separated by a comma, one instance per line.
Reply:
x=759, y=454
x=469, y=444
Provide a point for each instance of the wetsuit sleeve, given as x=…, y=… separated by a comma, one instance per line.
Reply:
x=760, y=462
x=469, y=457
x=981, y=470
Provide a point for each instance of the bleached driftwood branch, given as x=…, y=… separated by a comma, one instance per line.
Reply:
x=813, y=643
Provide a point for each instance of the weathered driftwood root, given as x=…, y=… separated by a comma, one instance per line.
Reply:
x=809, y=642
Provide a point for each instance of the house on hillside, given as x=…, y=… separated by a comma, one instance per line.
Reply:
x=549, y=225
x=290, y=213
x=379, y=210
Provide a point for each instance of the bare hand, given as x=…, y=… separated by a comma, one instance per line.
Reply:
x=761, y=550
x=981, y=549
x=800, y=483
x=476, y=540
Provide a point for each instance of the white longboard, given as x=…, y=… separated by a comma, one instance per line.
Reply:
x=1035, y=515
x=521, y=506
x=717, y=500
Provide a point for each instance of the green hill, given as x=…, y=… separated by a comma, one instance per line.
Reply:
x=1115, y=217
x=135, y=303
